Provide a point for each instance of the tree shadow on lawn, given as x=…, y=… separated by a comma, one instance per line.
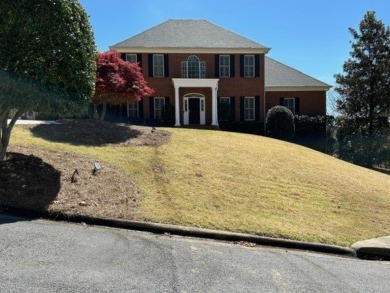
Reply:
x=28, y=183
x=85, y=132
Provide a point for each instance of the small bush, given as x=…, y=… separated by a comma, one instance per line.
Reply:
x=279, y=123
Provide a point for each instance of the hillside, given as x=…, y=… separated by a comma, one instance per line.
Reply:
x=245, y=183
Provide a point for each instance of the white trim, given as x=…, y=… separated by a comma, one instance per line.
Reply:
x=191, y=50
x=163, y=65
x=202, y=108
x=228, y=66
x=296, y=88
x=254, y=108
x=253, y=65
x=196, y=82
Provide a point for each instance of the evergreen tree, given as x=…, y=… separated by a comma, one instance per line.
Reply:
x=47, y=60
x=364, y=88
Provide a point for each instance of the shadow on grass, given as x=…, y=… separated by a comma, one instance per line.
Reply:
x=85, y=132
x=26, y=182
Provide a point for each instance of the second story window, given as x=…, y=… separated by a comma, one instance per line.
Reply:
x=158, y=65
x=224, y=66
x=193, y=68
x=249, y=66
x=132, y=58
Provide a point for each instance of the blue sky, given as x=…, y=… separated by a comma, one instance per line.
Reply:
x=311, y=36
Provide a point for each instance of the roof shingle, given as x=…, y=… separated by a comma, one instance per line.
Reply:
x=188, y=33
x=280, y=75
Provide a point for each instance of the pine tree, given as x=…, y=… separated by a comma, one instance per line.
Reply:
x=364, y=89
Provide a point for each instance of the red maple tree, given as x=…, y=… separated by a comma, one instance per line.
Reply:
x=117, y=82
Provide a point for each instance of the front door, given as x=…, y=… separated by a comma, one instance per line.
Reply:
x=194, y=107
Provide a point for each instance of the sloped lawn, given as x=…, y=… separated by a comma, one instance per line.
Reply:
x=236, y=182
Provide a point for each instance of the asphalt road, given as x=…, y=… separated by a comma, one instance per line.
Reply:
x=44, y=256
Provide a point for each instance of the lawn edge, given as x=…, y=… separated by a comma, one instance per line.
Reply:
x=159, y=228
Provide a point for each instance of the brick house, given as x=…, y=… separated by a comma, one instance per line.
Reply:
x=203, y=74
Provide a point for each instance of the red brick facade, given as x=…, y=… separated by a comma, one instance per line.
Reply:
x=310, y=102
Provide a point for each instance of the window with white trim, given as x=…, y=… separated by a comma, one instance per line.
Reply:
x=132, y=110
x=249, y=108
x=289, y=103
x=132, y=58
x=158, y=65
x=224, y=66
x=159, y=108
x=249, y=65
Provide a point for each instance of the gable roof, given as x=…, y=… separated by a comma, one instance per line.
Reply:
x=189, y=34
x=279, y=77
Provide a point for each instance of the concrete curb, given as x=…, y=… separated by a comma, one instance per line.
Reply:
x=182, y=231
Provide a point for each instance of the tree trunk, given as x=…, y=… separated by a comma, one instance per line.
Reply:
x=95, y=112
x=103, y=112
x=6, y=129
x=5, y=136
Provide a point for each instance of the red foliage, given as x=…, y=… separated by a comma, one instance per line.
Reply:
x=118, y=81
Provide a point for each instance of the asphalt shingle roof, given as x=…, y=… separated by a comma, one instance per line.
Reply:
x=280, y=75
x=188, y=33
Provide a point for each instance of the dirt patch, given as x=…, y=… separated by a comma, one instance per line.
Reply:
x=98, y=133
x=28, y=182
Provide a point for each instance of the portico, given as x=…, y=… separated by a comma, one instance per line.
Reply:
x=195, y=83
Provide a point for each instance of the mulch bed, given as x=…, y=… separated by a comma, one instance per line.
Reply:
x=48, y=180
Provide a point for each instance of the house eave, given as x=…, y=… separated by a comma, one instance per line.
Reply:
x=297, y=88
x=151, y=50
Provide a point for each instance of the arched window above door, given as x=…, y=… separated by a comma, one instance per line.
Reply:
x=193, y=68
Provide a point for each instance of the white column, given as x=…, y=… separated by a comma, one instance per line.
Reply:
x=177, y=107
x=214, y=109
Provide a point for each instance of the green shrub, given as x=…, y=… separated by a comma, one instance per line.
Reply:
x=310, y=131
x=280, y=123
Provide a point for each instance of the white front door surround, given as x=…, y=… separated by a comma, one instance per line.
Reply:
x=196, y=83
x=201, y=108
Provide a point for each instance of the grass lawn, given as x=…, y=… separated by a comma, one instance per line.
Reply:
x=244, y=183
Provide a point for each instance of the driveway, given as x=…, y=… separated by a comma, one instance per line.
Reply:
x=45, y=256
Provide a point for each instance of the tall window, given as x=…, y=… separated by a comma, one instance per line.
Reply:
x=224, y=65
x=249, y=65
x=158, y=65
x=132, y=58
x=159, y=108
x=132, y=109
x=249, y=108
x=289, y=103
